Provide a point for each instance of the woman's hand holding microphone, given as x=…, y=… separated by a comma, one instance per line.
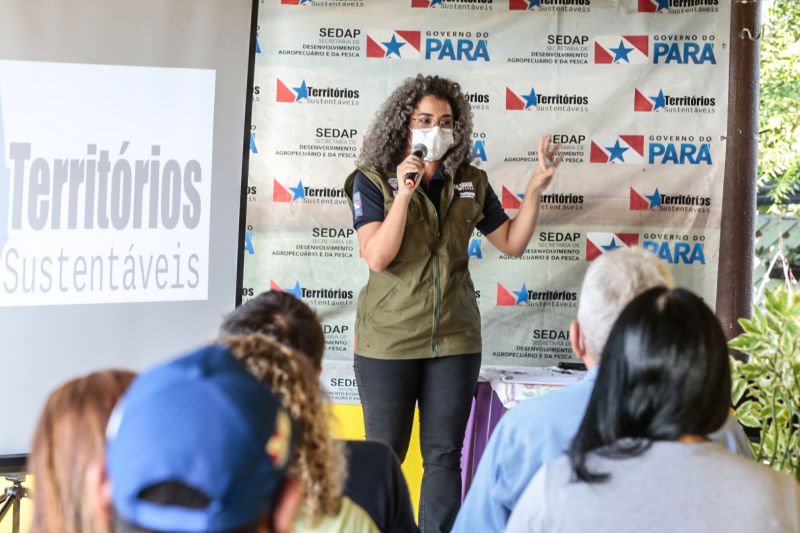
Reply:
x=412, y=165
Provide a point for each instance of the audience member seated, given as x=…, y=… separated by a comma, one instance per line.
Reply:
x=68, y=445
x=199, y=445
x=641, y=460
x=374, y=482
x=540, y=429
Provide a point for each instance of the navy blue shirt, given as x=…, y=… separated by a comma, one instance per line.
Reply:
x=375, y=483
x=368, y=202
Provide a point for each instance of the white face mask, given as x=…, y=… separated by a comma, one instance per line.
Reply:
x=437, y=140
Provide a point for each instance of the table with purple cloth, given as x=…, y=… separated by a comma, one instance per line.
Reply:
x=500, y=389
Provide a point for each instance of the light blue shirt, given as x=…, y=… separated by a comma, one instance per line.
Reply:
x=531, y=434
x=527, y=436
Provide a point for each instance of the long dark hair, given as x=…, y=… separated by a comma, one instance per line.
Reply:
x=664, y=373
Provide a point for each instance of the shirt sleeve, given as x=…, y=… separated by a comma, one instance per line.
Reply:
x=520, y=444
x=480, y=510
x=505, y=468
x=367, y=201
x=493, y=214
x=529, y=515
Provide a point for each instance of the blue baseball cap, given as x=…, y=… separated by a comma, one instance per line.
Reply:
x=203, y=421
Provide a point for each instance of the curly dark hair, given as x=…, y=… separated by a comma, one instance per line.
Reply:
x=319, y=462
x=387, y=136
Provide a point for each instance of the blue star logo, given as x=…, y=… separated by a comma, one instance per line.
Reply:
x=435, y=3
x=534, y=3
x=393, y=47
x=659, y=101
x=296, y=291
x=621, y=52
x=298, y=191
x=522, y=295
x=610, y=247
x=302, y=2
x=616, y=151
x=302, y=92
x=663, y=5
x=531, y=100
x=654, y=199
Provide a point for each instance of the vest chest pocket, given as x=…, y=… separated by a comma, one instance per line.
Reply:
x=464, y=211
x=463, y=215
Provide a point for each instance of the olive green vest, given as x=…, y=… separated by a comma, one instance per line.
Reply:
x=423, y=304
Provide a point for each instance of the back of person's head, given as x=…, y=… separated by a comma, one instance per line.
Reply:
x=611, y=282
x=198, y=444
x=319, y=463
x=69, y=438
x=279, y=315
x=665, y=374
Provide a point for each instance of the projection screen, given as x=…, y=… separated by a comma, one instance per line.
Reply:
x=122, y=149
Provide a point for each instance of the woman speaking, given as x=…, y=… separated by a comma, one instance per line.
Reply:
x=416, y=201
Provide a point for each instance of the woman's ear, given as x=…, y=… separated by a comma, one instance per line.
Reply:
x=98, y=491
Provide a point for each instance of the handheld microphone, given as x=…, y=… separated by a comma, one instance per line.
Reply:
x=419, y=150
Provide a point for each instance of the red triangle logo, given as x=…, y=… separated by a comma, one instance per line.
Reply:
x=601, y=56
x=630, y=239
x=504, y=297
x=647, y=6
x=274, y=286
x=374, y=49
x=515, y=5
x=640, y=42
x=514, y=102
x=419, y=3
x=283, y=93
x=592, y=251
x=280, y=194
x=641, y=102
x=638, y=202
x=411, y=37
x=510, y=200
x=634, y=141
x=597, y=155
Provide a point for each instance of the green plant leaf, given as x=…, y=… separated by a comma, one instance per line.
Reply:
x=745, y=415
x=748, y=326
x=752, y=371
x=746, y=342
x=738, y=390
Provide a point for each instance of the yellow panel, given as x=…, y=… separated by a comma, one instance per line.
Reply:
x=348, y=423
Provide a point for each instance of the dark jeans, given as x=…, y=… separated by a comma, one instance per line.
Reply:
x=443, y=386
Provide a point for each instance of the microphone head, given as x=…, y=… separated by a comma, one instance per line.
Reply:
x=419, y=150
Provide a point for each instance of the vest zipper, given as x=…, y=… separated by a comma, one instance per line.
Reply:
x=437, y=296
x=447, y=191
x=437, y=289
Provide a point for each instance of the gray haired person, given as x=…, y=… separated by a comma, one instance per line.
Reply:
x=539, y=430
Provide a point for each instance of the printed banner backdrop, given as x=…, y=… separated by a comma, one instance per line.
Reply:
x=634, y=90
